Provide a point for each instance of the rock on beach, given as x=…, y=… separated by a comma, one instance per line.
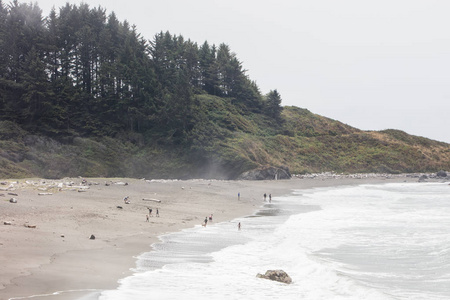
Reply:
x=276, y=275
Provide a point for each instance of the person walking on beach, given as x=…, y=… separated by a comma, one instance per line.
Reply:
x=239, y=196
x=270, y=198
x=157, y=212
x=239, y=226
x=210, y=217
x=150, y=211
x=147, y=218
x=265, y=197
x=206, y=221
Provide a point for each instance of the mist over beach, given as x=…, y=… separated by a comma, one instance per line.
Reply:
x=222, y=150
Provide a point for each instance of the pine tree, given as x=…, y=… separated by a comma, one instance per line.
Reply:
x=273, y=107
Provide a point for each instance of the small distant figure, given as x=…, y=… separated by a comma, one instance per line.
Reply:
x=270, y=198
x=210, y=217
x=84, y=181
x=239, y=226
x=157, y=212
x=206, y=221
x=265, y=197
x=147, y=218
x=126, y=200
x=239, y=196
x=150, y=211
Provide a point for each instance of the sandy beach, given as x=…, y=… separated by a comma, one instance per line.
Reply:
x=45, y=244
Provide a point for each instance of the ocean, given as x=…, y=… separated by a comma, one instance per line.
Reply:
x=389, y=241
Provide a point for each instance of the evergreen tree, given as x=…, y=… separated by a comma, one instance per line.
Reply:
x=273, y=107
x=209, y=72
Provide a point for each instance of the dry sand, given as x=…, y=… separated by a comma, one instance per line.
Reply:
x=47, y=246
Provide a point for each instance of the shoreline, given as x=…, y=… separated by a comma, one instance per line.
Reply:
x=57, y=255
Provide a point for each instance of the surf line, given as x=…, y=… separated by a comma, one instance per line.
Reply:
x=57, y=293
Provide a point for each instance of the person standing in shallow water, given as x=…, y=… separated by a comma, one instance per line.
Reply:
x=265, y=197
x=239, y=196
x=270, y=198
x=206, y=221
x=239, y=226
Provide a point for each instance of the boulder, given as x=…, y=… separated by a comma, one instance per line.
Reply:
x=276, y=275
x=423, y=178
x=441, y=173
x=92, y=237
x=267, y=173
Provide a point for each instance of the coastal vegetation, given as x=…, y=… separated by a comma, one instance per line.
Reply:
x=84, y=94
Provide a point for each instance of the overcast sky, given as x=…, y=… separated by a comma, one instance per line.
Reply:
x=370, y=64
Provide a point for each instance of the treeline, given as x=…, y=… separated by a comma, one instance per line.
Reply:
x=80, y=71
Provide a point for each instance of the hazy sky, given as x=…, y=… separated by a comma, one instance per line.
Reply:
x=371, y=64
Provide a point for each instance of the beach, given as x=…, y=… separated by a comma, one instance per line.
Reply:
x=78, y=234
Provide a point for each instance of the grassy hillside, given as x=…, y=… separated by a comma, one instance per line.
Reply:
x=224, y=143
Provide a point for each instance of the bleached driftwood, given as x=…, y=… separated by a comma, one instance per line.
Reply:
x=150, y=199
x=45, y=194
x=79, y=187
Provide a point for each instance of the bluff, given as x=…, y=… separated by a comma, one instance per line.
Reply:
x=84, y=94
x=230, y=145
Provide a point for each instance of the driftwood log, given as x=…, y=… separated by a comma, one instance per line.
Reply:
x=150, y=199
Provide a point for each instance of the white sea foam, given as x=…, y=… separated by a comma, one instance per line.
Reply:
x=366, y=242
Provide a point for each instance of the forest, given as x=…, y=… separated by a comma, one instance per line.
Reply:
x=84, y=94
x=80, y=71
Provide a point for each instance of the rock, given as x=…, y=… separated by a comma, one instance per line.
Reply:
x=423, y=178
x=441, y=173
x=276, y=275
x=92, y=237
x=13, y=200
x=268, y=173
x=6, y=223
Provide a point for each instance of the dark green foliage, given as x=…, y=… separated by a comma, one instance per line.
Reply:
x=273, y=105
